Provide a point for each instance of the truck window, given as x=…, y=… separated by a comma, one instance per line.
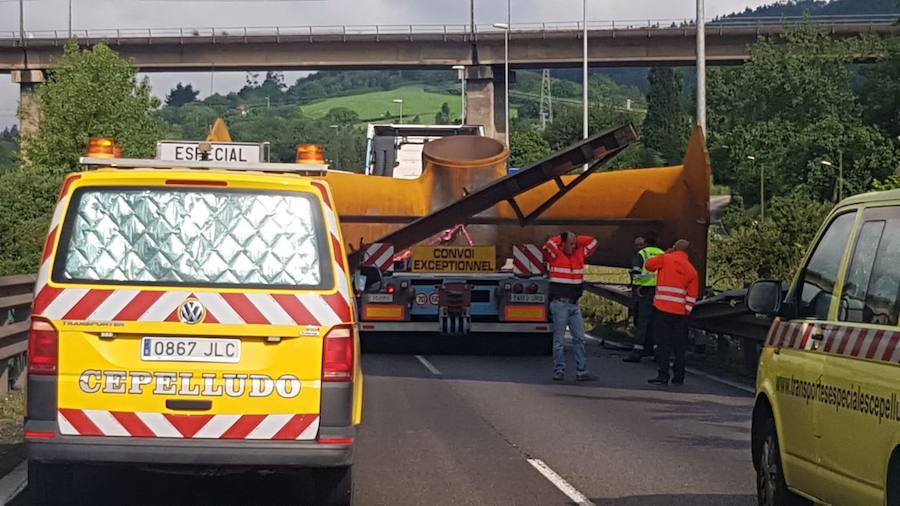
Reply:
x=872, y=290
x=816, y=285
x=196, y=237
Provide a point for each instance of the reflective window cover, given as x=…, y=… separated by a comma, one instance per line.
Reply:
x=198, y=237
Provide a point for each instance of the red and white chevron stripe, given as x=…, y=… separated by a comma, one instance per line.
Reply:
x=380, y=255
x=226, y=308
x=528, y=259
x=99, y=422
x=848, y=340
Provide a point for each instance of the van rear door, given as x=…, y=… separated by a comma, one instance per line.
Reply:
x=188, y=310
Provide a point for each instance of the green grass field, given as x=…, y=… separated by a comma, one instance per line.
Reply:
x=372, y=106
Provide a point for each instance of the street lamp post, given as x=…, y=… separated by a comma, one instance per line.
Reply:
x=461, y=71
x=840, y=181
x=701, y=67
x=505, y=28
x=400, y=101
x=762, y=193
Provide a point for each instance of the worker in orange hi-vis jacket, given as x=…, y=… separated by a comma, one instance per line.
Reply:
x=566, y=255
x=677, y=289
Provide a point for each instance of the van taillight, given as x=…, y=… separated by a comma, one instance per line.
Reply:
x=43, y=348
x=337, y=362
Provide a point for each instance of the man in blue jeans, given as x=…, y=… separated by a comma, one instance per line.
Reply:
x=566, y=255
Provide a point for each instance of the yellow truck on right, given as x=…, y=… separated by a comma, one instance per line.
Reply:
x=826, y=423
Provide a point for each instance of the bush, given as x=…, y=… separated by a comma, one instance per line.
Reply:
x=26, y=206
x=771, y=249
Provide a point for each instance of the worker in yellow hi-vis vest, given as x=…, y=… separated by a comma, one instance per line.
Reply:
x=643, y=289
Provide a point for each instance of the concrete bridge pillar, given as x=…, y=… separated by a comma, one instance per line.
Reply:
x=29, y=109
x=485, y=99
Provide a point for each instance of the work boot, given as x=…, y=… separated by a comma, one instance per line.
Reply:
x=634, y=356
x=559, y=376
x=585, y=376
x=659, y=380
x=678, y=381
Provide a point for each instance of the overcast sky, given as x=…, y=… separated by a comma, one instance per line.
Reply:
x=102, y=14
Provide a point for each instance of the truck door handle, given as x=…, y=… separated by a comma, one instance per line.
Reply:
x=188, y=405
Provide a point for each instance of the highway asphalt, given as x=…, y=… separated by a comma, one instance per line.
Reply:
x=495, y=430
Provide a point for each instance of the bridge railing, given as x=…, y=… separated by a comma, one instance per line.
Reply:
x=243, y=32
x=15, y=318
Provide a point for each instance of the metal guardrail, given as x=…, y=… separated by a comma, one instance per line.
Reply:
x=237, y=33
x=723, y=314
x=15, y=319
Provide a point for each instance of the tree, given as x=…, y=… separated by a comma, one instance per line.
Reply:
x=880, y=92
x=567, y=124
x=9, y=148
x=667, y=126
x=526, y=148
x=772, y=249
x=791, y=107
x=181, y=94
x=91, y=93
x=342, y=116
x=443, y=116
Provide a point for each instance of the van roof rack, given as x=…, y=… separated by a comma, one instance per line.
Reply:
x=140, y=163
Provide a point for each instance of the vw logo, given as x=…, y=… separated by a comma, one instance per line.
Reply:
x=191, y=311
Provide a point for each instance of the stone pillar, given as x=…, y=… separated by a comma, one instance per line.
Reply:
x=485, y=100
x=29, y=109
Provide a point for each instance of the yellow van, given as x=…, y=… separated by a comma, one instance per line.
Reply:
x=826, y=425
x=198, y=316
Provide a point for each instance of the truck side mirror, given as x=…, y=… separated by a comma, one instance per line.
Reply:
x=764, y=297
x=368, y=277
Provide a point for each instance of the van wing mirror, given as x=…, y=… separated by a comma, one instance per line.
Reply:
x=764, y=297
x=368, y=277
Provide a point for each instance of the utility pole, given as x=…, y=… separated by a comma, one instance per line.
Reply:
x=585, y=69
x=546, y=100
x=70, y=19
x=701, y=67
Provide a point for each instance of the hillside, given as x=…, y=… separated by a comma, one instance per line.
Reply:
x=822, y=8
x=376, y=105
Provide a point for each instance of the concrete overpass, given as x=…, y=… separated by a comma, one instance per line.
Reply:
x=532, y=45
x=538, y=45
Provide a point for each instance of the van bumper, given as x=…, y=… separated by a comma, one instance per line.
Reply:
x=121, y=450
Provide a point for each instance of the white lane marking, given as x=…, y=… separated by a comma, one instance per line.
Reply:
x=723, y=381
x=14, y=482
x=689, y=370
x=428, y=365
x=558, y=481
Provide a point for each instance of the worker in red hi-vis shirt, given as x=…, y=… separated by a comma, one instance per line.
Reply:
x=566, y=255
x=677, y=288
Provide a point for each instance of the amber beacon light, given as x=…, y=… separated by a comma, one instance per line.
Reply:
x=103, y=147
x=310, y=153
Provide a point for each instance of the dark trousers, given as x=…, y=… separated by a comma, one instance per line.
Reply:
x=671, y=336
x=643, y=317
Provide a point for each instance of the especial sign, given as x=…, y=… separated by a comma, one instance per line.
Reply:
x=450, y=259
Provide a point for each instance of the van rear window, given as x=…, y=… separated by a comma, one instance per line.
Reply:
x=194, y=236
